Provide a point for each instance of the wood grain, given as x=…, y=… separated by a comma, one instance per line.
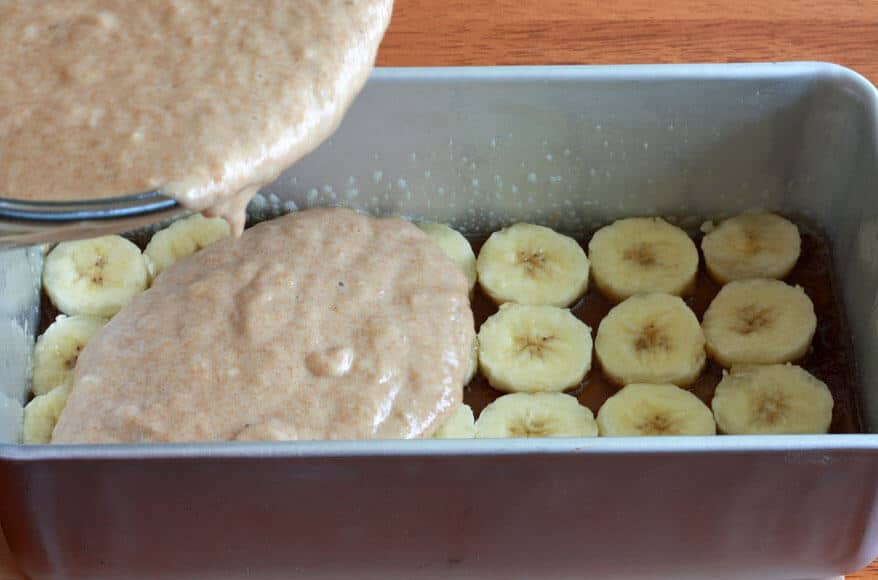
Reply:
x=506, y=32
x=514, y=32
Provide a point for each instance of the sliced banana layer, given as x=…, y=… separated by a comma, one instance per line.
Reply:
x=58, y=348
x=759, y=322
x=531, y=415
x=651, y=338
x=526, y=348
x=638, y=255
x=531, y=264
x=772, y=399
x=455, y=247
x=461, y=425
x=641, y=409
x=41, y=414
x=751, y=245
x=96, y=277
x=182, y=239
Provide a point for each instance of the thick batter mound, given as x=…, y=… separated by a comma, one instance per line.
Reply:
x=324, y=324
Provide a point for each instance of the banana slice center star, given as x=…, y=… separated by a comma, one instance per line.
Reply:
x=642, y=254
x=531, y=426
x=652, y=338
x=752, y=241
x=535, y=346
x=655, y=425
x=70, y=362
x=769, y=409
x=534, y=262
x=752, y=318
x=95, y=272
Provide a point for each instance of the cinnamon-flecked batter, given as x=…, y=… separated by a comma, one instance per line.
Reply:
x=204, y=99
x=324, y=324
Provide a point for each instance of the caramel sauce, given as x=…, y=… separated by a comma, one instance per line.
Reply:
x=830, y=357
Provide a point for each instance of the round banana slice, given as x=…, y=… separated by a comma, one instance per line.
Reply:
x=95, y=277
x=531, y=264
x=58, y=348
x=641, y=409
x=460, y=425
x=651, y=338
x=638, y=255
x=41, y=414
x=526, y=348
x=772, y=399
x=455, y=247
x=751, y=245
x=182, y=239
x=531, y=415
x=759, y=322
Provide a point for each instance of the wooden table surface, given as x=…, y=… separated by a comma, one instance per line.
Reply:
x=510, y=32
x=498, y=32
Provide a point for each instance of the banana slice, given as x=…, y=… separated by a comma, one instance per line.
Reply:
x=641, y=409
x=530, y=415
x=637, y=255
x=455, y=247
x=473, y=362
x=759, y=322
x=651, y=338
x=771, y=399
x=461, y=425
x=531, y=264
x=183, y=238
x=751, y=245
x=96, y=277
x=526, y=348
x=41, y=414
x=58, y=348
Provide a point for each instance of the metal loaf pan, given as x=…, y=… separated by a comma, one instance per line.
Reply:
x=573, y=148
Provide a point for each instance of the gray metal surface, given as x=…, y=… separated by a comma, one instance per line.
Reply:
x=572, y=148
x=20, y=274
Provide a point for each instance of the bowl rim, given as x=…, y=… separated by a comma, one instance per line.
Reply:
x=81, y=210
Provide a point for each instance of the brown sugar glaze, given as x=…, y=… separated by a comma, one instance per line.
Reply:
x=830, y=357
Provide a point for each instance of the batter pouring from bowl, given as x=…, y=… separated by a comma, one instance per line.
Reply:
x=205, y=101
